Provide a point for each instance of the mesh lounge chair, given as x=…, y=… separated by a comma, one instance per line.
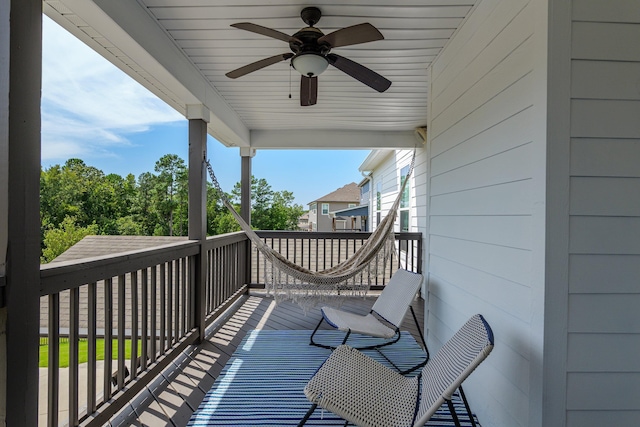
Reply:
x=368, y=394
x=385, y=317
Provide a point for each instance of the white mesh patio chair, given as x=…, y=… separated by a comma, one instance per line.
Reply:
x=385, y=317
x=368, y=394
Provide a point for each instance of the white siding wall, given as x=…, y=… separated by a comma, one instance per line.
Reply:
x=388, y=173
x=603, y=342
x=486, y=186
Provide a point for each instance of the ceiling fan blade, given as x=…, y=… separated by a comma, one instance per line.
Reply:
x=269, y=32
x=356, y=34
x=359, y=72
x=255, y=66
x=308, y=91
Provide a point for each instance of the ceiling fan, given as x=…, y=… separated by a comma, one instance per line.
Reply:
x=311, y=53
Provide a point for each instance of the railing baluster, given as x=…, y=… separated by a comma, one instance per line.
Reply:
x=134, y=325
x=178, y=285
x=92, y=384
x=121, y=331
x=144, y=351
x=108, y=337
x=154, y=313
x=186, y=306
x=53, y=360
x=74, y=325
x=163, y=307
x=169, y=295
x=209, y=281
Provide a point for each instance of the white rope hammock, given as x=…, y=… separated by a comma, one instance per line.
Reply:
x=286, y=280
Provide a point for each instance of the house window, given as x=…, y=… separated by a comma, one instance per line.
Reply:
x=404, y=202
x=325, y=209
x=352, y=205
x=379, y=196
x=404, y=206
x=313, y=208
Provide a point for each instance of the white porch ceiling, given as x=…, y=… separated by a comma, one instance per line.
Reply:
x=181, y=50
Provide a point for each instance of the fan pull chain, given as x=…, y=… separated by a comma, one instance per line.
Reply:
x=290, y=65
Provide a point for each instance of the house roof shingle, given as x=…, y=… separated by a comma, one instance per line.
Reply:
x=349, y=193
x=93, y=246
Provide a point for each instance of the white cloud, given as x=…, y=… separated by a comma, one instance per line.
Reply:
x=89, y=105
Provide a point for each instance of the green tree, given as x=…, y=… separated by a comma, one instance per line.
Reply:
x=270, y=210
x=171, y=186
x=143, y=208
x=58, y=240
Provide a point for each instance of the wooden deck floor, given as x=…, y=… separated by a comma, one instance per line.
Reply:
x=174, y=396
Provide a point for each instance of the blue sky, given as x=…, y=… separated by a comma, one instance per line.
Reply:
x=93, y=111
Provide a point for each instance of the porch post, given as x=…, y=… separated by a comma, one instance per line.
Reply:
x=20, y=83
x=246, y=154
x=198, y=116
x=245, y=182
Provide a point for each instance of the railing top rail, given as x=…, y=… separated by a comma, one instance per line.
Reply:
x=59, y=276
x=213, y=242
x=330, y=234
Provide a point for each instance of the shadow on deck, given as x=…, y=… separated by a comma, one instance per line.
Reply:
x=172, y=398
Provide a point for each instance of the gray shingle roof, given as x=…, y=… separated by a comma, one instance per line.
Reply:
x=92, y=246
x=349, y=193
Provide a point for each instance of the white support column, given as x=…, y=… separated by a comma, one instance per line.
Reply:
x=245, y=183
x=198, y=117
x=20, y=73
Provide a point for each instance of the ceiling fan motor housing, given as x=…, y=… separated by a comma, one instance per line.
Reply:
x=309, y=37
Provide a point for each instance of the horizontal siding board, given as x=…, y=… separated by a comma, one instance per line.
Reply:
x=605, y=118
x=604, y=274
x=512, y=100
x=605, y=41
x=605, y=80
x=603, y=418
x=511, y=165
x=514, y=298
x=510, y=355
x=489, y=20
x=593, y=391
x=603, y=353
x=604, y=235
x=592, y=313
x=508, y=231
x=507, y=263
x=501, y=63
x=605, y=157
x=508, y=134
x=506, y=199
x=606, y=11
x=605, y=196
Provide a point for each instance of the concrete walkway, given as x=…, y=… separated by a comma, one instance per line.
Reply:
x=63, y=403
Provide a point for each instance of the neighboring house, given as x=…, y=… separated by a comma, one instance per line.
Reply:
x=358, y=214
x=387, y=169
x=321, y=211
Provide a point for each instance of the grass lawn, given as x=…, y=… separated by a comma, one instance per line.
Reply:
x=83, y=350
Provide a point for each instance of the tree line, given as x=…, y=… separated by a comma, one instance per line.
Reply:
x=78, y=200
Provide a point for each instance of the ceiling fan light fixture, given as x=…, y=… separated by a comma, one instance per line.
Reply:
x=310, y=64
